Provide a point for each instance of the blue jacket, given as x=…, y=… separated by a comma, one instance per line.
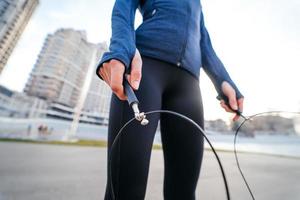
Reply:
x=173, y=31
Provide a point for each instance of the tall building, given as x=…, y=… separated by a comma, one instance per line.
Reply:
x=98, y=97
x=14, y=16
x=60, y=70
x=59, y=74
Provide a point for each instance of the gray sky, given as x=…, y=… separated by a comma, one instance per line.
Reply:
x=258, y=41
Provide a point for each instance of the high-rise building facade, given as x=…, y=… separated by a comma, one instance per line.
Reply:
x=14, y=16
x=60, y=70
x=98, y=97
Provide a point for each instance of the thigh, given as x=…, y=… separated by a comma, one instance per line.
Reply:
x=182, y=142
x=132, y=152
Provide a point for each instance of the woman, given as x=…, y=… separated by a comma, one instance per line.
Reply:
x=172, y=43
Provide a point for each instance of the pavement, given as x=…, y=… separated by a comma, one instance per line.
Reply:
x=48, y=172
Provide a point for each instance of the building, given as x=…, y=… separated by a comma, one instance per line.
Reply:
x=297, y=125
x=217, y=125
x=98, y=97
x=60, y=73
x=60, y=70
x=14, y=16
x=19, y=105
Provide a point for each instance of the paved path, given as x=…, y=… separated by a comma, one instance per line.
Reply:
x=54, y=172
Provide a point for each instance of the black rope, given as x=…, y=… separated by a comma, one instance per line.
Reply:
x=208, y=141
x=246, y=119
x=178, y=115
x=237, y=160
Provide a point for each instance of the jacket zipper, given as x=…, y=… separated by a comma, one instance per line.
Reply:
x=179, y=62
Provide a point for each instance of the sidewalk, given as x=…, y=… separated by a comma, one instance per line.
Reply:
x=44, y=172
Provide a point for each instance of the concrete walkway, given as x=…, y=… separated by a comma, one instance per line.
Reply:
x=47, y=172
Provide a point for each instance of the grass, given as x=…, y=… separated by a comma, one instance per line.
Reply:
x=85, y=143
x=102, y=143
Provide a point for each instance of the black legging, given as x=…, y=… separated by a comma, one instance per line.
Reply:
x=163, y=86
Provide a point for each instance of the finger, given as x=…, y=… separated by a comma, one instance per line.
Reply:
x=107, y=71
x=104, y=76
x=231, y=95
x=232, y=101
x=226, y=107
x=135, y=78
x=116, y=83
x=240, y=103
x=136, y=71
x=223, y=105
x=100, y=72
x=236, y=117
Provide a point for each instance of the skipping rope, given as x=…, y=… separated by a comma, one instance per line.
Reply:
x=141, y=117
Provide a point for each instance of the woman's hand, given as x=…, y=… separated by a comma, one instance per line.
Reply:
x=112, y=73
x=234, y=103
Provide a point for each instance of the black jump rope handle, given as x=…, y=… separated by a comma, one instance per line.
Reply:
x=131, y=97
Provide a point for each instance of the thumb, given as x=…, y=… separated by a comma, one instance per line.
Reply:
x=233, y=102
x=231, y=95
x=136, y=71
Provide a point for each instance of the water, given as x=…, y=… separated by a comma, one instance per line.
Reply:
x=57, y=129
x=267, y=144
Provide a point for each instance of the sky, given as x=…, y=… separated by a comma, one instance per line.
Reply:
x=258, y=42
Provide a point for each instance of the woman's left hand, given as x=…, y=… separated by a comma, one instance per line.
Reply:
x=234, y=103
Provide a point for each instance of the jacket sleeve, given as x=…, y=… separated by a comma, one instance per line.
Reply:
x=212, y=65
x=122, y=42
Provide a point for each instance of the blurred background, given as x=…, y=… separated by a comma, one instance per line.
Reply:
x=50, y=94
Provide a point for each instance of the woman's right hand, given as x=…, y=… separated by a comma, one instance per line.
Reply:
x=112, y=73
x=234, y=103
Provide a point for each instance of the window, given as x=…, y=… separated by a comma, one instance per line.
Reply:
x=3, y=7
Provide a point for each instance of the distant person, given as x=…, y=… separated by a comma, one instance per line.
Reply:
x=173, y=44
x=40, y=129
